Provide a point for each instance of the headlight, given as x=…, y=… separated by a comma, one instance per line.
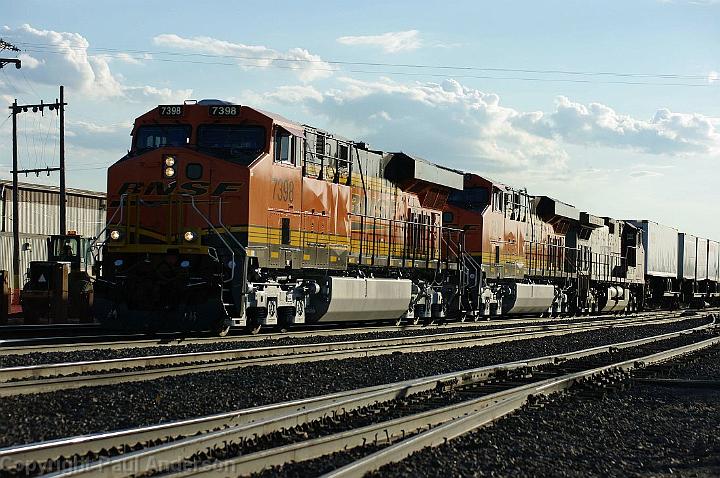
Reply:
x=119, y=262
x=170, y=161
x=115, y=235
x=169, y=172
x=189, y=236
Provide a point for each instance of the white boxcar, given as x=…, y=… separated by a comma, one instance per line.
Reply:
x=713, y=266
x=661, y=248
x=687, y=256
x=702, y=259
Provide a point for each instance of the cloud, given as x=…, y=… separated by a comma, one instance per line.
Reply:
x=308, y=66
x=106, y=137
x=65, y=57
x=446, y=122
x=391, y=42
x=452, y=124
x=643, y=173
x=596, y=124
x=295, y=94
x=130, y=59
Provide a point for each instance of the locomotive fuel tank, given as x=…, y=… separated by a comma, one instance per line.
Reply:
x=528, y=298
x=343, y=299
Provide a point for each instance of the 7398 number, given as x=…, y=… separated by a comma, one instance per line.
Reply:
x=228, y=110
x=283, y=189
x=171, y=110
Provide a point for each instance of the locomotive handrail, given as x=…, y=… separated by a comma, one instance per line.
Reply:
x=232, y=236
x=232, y=253
x=107, y=225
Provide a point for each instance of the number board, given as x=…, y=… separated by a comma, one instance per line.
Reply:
x=171, y=110
x=224, y=110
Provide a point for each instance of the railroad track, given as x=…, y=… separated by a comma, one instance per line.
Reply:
x=394, y=419
x=34, y=342
x=44, y=330
x=61, y=376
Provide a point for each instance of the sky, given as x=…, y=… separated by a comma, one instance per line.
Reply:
x=610, y=106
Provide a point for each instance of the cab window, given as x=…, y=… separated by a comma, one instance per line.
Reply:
x=497, y=200
x=284, y=152
x=65, y=249
x=156, y=136
x=475, y=199
x=238, y=143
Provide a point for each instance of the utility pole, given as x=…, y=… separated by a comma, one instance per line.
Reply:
x=59, y=107
x=5, y=61
x=16, y=214
x=63, y=214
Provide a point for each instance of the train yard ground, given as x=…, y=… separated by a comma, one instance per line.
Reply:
x=558, y=397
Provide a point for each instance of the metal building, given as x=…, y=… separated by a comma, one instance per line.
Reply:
x=39, y=209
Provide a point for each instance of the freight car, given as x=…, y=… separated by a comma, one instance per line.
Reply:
x=222, y=215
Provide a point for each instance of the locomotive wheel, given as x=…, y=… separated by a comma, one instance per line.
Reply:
x=222, y=328
x=255, y=317
x=285, y=318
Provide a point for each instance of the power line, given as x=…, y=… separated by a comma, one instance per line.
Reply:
x=411, y=74
x=117, y=53
x=5, y=61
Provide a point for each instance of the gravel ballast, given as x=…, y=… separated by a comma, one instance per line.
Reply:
x=31, y=418
x=644, y=431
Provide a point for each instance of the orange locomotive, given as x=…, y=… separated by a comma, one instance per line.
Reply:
x=540, y=255
x=222, y=215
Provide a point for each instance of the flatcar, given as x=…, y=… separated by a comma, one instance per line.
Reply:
x=222, y=215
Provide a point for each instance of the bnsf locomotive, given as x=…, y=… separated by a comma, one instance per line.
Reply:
x=222, y=215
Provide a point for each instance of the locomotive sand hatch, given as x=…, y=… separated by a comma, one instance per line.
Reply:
x=223, y=216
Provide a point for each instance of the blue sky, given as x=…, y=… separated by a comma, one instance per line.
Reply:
x=646, y=150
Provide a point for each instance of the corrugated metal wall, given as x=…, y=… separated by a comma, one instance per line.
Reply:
x=39, y=210
x=38, y=252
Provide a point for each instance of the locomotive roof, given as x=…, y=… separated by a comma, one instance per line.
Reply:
x=402, y=166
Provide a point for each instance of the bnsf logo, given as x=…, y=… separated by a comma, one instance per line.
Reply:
x=158, y=188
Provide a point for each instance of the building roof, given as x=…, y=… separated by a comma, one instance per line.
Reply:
x=52, y=189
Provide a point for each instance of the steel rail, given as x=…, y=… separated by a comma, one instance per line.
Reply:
x=21, y=381
x=57, y=369
x=15, y=347
x=472, y=420
x=44, y=344
x=265, y=419
x=433, y=427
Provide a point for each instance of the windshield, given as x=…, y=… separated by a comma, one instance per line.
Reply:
x=231, y=140
x=65, y=249
x=472, y=198
x=155, y=136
